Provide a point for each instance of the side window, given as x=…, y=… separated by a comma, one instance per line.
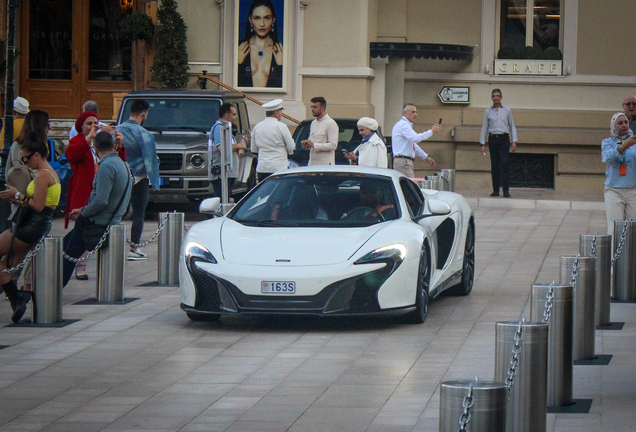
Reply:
x=414, y=200
x=244, y=119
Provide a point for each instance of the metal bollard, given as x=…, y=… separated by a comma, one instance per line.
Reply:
x=47, y=282
x=443, y=184
x=560, y=328
x=487, y=414
x=603, y=254
x=584, y=299
x=110, y=266
x=427, y=184
x=449, y=178
x=170, y=239
x=434, y=182
x=624, y=270
x=527, y=403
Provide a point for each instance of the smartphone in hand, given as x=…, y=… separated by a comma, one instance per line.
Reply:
x=440, y=120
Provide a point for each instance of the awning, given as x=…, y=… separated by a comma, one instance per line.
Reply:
x=421, y=50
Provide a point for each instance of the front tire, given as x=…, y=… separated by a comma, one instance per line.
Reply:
x=203, y=317
x=418, y=316
x=468, y=266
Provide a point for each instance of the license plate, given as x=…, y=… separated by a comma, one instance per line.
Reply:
x=278, y=287
x=160, y=181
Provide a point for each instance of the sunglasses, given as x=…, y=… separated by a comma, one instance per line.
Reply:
x=25, y=159
x=630, y=104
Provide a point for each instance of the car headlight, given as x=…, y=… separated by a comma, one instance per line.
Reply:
x=392, y=254
x=197, y=161
x=195, y=252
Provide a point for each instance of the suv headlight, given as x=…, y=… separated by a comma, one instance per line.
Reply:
x=197, y=161
x=391, y=255
x=196, y=252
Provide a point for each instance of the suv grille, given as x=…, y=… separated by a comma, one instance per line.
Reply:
x=170, y=161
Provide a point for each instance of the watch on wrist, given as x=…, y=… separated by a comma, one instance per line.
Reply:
x=17, y=196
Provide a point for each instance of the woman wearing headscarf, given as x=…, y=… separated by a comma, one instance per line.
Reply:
x=372, y=150
x=620, y=184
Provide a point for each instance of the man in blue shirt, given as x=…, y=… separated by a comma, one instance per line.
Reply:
x=141, y=155
x=498, y=126
x=227, y=113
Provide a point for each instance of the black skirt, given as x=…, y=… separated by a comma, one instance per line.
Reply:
x=34, y=225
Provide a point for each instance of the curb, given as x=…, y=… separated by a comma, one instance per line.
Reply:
x=535, y=204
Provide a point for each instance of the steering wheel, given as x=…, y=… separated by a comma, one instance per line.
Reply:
x=368, y=213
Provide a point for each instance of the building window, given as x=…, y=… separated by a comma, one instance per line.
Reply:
x=539, y=29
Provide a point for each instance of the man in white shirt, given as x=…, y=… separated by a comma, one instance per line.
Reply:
x=272, y=141
x=499, y=128
x=323, y=135
x=88, y=106
x=404, y=142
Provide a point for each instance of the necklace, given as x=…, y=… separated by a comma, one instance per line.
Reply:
x=260, y=50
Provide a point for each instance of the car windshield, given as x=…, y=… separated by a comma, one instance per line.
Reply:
x=178, y=114
x=319, y=200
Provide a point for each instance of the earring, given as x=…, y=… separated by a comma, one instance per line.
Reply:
x=272, y=27
x=251, y=27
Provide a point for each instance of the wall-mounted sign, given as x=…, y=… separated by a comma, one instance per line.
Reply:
x=458, y=95
x=529, y=67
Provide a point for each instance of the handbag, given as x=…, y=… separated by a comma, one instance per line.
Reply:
x=92, y=233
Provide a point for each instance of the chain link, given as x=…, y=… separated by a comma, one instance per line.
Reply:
x=468, y=403
x=153, y=238
x=547, y=313
x=575, y=271
x=27, y=258
x=621, y=243
x=514, y=361
x=593, y=250
x=91, y=253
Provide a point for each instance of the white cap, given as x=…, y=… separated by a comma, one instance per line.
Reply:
x=368, y=123
x=21, y=105
x=275, y=105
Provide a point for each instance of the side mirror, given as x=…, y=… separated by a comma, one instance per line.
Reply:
x=210, y=206
x=438, y=207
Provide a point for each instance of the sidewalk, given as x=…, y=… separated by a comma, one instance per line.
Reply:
x=144, y=366
x=542, y=199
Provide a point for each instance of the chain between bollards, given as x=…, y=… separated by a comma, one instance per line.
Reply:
x=29, y=256
x=468, y=403
x=154, y=236
x=514, y=361
x=91, y=253
x=547, y=313
x=575, y=271
x=621, y=243
x=593, y=249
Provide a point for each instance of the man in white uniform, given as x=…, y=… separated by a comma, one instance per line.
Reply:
x=272, y=141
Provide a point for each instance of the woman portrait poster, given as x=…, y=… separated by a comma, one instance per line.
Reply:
x=260, y=48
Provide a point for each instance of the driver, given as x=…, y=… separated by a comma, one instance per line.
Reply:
x=372, y=196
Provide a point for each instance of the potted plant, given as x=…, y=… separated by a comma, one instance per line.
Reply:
x=138, y=29
x=170, y=69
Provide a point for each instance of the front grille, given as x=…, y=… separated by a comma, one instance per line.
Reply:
x=207, y=293
x=170, y=161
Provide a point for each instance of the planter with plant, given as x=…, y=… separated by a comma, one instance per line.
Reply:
x=138, y=29
x=170, y=69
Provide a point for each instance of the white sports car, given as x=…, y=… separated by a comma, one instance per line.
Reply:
x=329, y=240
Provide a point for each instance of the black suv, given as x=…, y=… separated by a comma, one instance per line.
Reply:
x=181, y=121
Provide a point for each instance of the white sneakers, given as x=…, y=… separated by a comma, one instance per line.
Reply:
x=136, y=255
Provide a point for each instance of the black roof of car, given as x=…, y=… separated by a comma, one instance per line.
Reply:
x=185, y=92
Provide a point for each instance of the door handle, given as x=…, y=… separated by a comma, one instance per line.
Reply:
x=76, y=66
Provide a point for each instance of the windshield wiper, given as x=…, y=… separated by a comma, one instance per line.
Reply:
x=186, y=128
x=275, y=223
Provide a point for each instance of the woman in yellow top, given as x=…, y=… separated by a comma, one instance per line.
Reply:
x=43, y=195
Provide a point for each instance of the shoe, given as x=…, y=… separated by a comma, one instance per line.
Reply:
x=494, y=194
x=20, y=307
x=81, y=276
x=507, y=194
x=11, y=291
x=136, y=255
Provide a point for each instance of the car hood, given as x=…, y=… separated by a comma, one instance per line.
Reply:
x=181, y=141
x=291, y=246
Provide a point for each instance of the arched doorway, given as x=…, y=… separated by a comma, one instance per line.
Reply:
x=70, y=52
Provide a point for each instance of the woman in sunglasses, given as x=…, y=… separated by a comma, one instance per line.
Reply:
x=40, y=201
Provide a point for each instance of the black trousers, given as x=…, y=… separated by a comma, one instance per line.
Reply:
x=139, y=201
x=262, y=176
x=499, y=146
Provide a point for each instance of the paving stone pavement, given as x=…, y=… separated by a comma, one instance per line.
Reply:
x=144, y=366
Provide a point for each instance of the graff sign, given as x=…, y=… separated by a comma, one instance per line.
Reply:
x=528, y=67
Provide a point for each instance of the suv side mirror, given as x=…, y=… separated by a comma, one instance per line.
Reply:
x=210, y=206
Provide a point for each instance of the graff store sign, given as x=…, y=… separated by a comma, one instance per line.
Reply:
x=529, y=67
